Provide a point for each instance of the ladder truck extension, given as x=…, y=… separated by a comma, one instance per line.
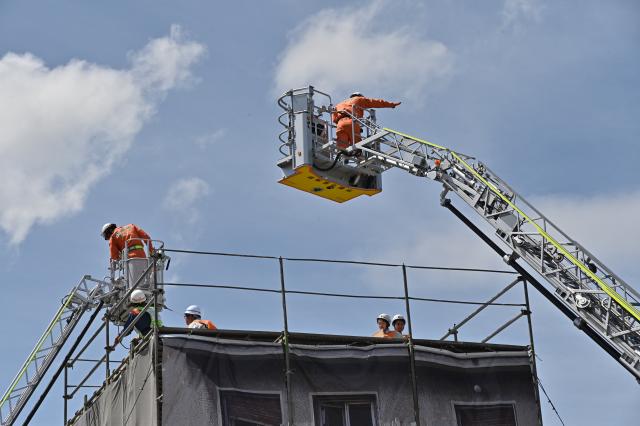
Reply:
x=88, y=295
x=83, y=297
x=600, y=303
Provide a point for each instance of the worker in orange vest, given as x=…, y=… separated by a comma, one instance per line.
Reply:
x=133, y=239
x=384, y=321
x=193, y=318
x=348, y=129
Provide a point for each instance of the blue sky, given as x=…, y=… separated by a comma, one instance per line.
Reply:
x=164, y=115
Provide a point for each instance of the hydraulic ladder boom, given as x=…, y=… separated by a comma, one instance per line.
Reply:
x=80, y=299
x=88, y=294
x=600, y=299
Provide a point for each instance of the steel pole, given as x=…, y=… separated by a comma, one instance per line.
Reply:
x=107, y=348
x=412, y=356
x=65, y=396
x=156, y=343
x=534, y=367
x=285, y=345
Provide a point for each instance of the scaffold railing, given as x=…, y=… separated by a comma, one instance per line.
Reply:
x=92, y=380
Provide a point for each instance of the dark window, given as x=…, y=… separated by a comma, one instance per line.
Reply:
x=250, y=409
x=348, y=410
x=486, y=415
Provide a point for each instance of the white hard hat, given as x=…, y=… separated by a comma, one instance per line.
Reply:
x=385, y=317
x=105, y=227
x=398, y=317
x=137, y=296
x=356, y=93
x=193, y=310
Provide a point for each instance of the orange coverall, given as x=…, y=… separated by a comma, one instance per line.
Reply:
x=134, y=236
x=348, y=130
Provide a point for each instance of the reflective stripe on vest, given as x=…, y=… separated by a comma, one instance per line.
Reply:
x=151, y=313
x=136, y=247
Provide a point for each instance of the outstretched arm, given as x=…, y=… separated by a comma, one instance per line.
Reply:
x=376, y=103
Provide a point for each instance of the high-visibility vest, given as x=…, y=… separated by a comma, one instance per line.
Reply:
x=133, y=238
x=206, y=323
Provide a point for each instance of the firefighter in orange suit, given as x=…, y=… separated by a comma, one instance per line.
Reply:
x=348, y=129
x=134, y=239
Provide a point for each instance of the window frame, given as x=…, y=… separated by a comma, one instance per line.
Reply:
x=511, y=403
x=253, y=392
x=316, y=398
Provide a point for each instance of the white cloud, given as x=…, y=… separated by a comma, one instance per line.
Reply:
x=165, y=62
x=183, y=195
x=517, y=12
x=62, y=129
x=211, y=138
x=344, y=49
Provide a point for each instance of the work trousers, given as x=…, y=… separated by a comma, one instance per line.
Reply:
x=347, y=133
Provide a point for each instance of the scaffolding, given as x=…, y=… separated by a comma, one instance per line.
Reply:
x=74, y=384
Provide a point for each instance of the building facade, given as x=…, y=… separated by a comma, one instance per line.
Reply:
x=240, y=379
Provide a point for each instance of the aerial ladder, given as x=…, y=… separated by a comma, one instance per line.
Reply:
x=89, y=294
x=598, y=301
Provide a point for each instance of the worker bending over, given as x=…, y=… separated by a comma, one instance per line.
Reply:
x=347, y=128
x=133, y=239
x=144, y=325
x=384, y=321
x=193, y=315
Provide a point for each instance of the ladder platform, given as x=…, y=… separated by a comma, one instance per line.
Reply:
x=306, y=179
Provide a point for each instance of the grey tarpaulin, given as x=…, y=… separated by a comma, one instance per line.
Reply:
x=218, y=380
x=129, y=399
x=203, y=370
x=379, y=373
x=222, y=381
x=446, y=379
x=201, y=376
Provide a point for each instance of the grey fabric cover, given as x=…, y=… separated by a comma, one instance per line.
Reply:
x=128, y=400
x=198, y=369
x=203, y=376
x=380, y=371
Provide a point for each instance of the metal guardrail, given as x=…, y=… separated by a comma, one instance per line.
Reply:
x=88, y=379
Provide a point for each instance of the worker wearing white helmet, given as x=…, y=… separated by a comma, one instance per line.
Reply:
x=384, y=322
x=398, y=322
x=143, y=325
x=193, y=318
x=129, y=240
